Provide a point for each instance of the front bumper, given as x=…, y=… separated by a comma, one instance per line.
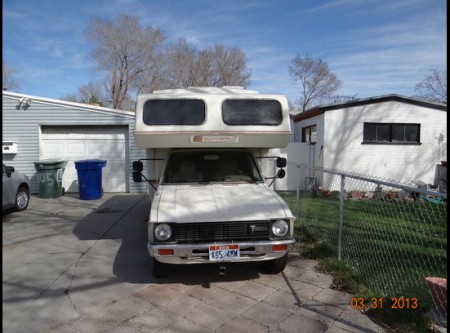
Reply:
x=199, y=253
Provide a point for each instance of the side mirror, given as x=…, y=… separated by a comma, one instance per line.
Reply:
x=281, y=173
x=137, y=176
x=138, y=166
x=9, y=170
x=281, y=162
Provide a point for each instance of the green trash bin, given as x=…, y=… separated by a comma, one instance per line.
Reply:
x=50, y=177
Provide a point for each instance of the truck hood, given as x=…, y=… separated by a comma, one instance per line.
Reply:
x=217, y=202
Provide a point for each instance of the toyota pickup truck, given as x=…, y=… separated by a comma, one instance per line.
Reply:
x=211, y=202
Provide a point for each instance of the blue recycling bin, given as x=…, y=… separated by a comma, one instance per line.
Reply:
x=90, y=178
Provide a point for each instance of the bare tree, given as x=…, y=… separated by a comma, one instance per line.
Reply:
x=317, y=82
x=9, y=80
x=204, y=68
x=217, y=66
x=188, y=66
x=92, y=93
x=229, y=67
x=71, y=98
x=135, y=60
x=433, y=87
x=129, y=54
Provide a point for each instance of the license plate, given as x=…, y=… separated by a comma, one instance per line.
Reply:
x=223, y=252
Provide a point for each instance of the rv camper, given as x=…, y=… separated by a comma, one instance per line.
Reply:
x=211, y=203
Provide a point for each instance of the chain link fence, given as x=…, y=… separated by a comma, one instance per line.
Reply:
x=392, y=235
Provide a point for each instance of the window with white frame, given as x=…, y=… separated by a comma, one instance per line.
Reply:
x=309, y=134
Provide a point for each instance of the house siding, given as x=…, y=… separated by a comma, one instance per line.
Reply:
x=345, y=150
x=313, y=156
x=23, y=125
x=340, y=131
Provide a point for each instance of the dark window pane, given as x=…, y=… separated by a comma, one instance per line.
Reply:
x=251, y=112
x=174, y=112
x=383, y=132
x=412, y=133
x=398, y=133
x=305, y=134
x=370, y=132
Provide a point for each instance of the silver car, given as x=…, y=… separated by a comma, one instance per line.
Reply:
x=16, y=189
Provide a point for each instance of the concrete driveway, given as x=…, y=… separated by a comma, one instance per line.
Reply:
x=72, y=265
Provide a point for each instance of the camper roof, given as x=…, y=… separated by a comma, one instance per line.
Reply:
x=207, y=90
x=211, y=117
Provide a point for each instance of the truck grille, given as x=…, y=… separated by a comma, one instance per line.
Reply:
x=222, y=231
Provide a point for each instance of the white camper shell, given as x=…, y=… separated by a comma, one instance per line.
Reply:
x=212, y=118
x=212, y=203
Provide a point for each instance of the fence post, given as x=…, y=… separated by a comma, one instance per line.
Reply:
x=341, y=216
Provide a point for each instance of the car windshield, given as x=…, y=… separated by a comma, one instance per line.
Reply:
x=211, y=166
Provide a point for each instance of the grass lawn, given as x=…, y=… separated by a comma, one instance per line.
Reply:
x=388, y=246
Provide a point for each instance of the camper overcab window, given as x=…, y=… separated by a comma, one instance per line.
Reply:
x=211, y=202
x=174, y=112
x=251, y=112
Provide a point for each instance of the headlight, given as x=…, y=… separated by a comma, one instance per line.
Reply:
x=280, y=228
x=163, y=232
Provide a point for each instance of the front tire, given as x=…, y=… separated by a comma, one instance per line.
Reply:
x=277, y=265
x=22, y=199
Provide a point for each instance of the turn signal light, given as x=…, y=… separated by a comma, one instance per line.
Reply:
x=165, y=252
x=279, y=248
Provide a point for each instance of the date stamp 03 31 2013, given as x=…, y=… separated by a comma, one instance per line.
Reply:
x=395, y=303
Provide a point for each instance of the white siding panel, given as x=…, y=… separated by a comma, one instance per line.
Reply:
x=344, y=150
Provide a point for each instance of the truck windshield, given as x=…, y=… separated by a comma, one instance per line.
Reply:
x=211, y=166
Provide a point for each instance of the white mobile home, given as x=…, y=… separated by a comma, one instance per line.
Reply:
x=36, y=128
x=392, y=137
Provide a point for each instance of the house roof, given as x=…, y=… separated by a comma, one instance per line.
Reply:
x=372, y=100
x=67, y=104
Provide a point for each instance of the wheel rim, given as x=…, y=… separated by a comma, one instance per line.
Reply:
x=22, y=199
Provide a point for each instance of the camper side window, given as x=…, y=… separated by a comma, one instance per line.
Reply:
x=251, y=112
x=174, y=112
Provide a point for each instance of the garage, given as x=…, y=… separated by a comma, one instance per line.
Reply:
x=39, y=128
x=73, y=143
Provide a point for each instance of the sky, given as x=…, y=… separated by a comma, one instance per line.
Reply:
x=375, y=47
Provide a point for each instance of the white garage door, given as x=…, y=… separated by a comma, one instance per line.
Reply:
x=74, y=143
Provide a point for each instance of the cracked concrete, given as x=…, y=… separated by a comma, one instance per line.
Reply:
x=71, y=265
